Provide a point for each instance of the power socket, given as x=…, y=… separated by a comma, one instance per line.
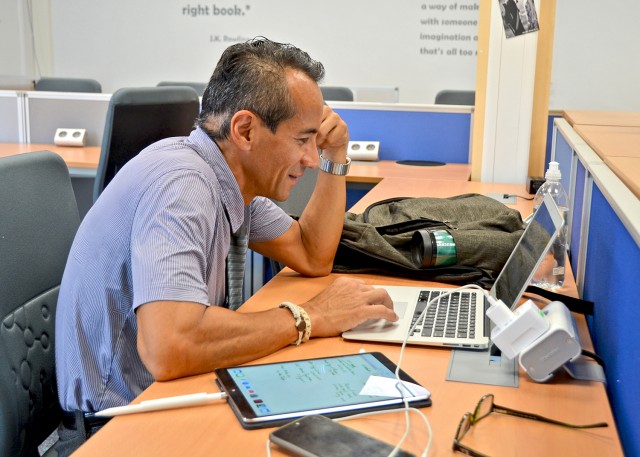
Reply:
x=363, y=150
x=70, y=137
x=534, y=183
x=507, y=199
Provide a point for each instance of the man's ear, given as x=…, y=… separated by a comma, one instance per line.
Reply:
x=243, y=129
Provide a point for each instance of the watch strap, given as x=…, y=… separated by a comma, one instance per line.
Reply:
x=339, y=169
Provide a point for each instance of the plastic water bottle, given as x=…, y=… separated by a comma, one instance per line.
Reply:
x=550, y=273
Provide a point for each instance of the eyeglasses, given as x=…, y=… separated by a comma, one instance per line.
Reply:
x=485, y=407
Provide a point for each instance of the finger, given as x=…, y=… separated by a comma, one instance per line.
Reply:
x=333, y=131
x=382, y=312
x=381, y=296
x=327, y=130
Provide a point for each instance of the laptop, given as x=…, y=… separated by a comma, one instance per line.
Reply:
x=459, y=320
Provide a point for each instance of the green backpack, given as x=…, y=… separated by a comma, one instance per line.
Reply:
x=413, y=237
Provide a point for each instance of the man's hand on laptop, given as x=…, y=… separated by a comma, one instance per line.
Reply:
x=346, y=303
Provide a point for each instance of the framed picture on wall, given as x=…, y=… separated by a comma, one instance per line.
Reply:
x=519, y=17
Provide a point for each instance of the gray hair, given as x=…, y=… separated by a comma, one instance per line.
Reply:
x=251, y=76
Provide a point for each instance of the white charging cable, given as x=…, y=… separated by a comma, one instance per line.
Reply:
x=420, y=320
x=407, y=408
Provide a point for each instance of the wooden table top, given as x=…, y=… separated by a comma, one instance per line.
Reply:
x=74, y=157
x=374, y=172
x=619, y=147
x=214, y=430
x=88, y=157
x=587, y=117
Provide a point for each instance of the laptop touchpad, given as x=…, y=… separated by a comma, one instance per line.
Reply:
x=369, y=325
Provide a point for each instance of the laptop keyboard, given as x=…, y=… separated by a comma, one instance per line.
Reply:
x=450, y=316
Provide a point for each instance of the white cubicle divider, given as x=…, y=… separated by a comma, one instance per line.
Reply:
x=12, y=113
x=605, y=255
x=375, y=94
x=48, y=111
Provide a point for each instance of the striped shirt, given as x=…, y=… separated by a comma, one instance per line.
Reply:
x=159, y=231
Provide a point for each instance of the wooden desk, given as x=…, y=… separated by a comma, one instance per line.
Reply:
x=82, y=161
x=74, y=157
x=580, y=117
x=618, y=147
x=374, y=172
x=361, y=172
x=214, y=429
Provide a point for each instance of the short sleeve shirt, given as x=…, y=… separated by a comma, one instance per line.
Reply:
x=159, y=231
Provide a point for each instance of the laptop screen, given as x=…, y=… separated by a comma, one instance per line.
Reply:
x=529, y=252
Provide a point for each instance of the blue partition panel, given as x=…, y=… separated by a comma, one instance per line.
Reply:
x=611, y=281
x=412, y=135
x=576, y=217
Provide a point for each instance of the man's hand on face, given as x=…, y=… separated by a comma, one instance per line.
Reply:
x=333, y=136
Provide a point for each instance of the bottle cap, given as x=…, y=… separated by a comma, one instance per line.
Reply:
x=553, y=172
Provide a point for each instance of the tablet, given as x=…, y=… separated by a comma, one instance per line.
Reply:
x=273, y=394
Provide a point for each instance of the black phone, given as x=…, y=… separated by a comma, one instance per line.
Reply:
x=319, y=436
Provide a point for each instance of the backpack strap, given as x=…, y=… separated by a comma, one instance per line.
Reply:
x=365, y=213
x=576, y=305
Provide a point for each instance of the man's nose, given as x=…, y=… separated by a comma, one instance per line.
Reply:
x=312, y=156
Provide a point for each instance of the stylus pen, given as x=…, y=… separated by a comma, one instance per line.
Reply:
x=162, y=403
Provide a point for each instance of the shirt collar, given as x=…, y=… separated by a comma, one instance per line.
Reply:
x=231, y=197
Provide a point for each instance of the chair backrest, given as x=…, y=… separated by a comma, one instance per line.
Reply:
x=198, y=87
x=338, y=94
x=38, y=220
x=138, y=117
x=68, y=85
x=456, y=97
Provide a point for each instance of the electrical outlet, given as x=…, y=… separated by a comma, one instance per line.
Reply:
x=70, y=137
x=507, y=199
x=363, y=150
x=534, y=183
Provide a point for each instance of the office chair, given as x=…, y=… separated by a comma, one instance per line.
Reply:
x=456, y=97
x=338, y=94
x=39, y=220
x=138, y=117
x=198, y=87
x=68, y=85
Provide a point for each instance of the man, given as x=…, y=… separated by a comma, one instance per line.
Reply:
x=145, y=292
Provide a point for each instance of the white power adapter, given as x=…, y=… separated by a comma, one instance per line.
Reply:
x=514, y=331
x=559, y=345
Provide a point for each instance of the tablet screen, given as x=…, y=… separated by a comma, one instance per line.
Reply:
x=328, y=385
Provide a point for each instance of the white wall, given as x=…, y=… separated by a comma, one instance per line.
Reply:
x=362, y=43
x=596, y=62
x=375, y=43
x=14, y=48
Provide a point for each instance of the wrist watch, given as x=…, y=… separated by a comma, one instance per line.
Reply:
x=333, y=168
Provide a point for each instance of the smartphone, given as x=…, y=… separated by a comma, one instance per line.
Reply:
x=319, y=436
